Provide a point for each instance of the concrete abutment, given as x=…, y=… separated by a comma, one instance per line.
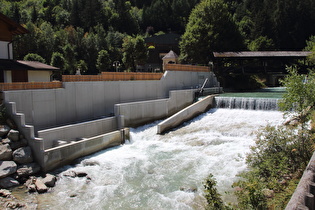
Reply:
x=85, y=117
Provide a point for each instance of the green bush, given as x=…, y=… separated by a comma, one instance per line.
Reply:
x=214, y=199
x=279, y=155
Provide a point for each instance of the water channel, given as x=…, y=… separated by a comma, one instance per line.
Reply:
x=163, y=171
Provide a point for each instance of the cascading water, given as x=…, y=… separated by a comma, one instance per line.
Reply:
x=247, y=103
x=163, y=171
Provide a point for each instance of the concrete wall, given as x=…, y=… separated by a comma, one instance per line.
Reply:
x=83, y=101
x=39, y=76
x=50, y=113
x=78, y=131
x=186, y=114
x=138, y=113
x=4, y=50
x=62, y=155
x=50, y=159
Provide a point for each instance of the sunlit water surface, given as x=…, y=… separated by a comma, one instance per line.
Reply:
x=163, y=171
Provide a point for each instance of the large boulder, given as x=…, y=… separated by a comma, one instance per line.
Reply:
x=28, y=169
x=14, y=135
x=23, y=155
x=49, y=180
x=40, y=186
x=7, y=168
x=4, y=130
x=8, y=182
x=5, y=152
x=17, y=144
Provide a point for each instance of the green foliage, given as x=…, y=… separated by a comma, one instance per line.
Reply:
x=57, y=60
x=82, y=66
x=210, y=28
x=213, y=26
x=279, y=153
x=34, y=57
x=134, y=52
x=280, y=150
x=310, y=46
x=249, y=192
x=103, y=61
x=300, y=94
x=211, y=194
x=262, y=43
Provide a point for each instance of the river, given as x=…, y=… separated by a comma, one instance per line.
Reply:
x=163, y=171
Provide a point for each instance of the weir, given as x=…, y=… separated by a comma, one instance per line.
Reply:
x=246, y=103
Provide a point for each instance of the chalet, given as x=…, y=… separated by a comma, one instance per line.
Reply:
x=14, y=70
x=158, y=47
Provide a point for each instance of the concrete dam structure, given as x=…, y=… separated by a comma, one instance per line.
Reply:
x=84, y=117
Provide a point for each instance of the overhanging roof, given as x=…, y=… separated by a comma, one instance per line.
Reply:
x=262, y=54
x=7, y=64
x=15, y=28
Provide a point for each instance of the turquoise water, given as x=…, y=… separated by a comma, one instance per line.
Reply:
x=262, y=93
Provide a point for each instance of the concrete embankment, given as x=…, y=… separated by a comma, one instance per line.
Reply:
x=81, y=118
x=186, y=114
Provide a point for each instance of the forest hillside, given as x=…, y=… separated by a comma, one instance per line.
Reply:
x=91, y=35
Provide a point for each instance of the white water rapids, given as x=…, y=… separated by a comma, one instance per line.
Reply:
x=163, y=171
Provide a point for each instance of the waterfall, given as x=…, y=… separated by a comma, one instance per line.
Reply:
x=247, y=103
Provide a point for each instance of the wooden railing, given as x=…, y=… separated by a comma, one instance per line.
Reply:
x=80, y=78
x=30, y=85
x=104, y=76
x=123, y=76
x=181, y=67
x=113, y=76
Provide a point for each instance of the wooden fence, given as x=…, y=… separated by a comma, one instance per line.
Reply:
x=180, y=67
x=123, y=76
x=30, y=85
x=104, y=76
x=113, y=76
x=81, y=78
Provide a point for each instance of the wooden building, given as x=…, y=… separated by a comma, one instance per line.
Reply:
x=19, y=71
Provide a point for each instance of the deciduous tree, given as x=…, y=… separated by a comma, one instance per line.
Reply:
x=210, y=28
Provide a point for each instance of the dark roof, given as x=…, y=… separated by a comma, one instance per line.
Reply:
x=165, y=39
x=259, y=54
x=7, y=64
x=15, y=28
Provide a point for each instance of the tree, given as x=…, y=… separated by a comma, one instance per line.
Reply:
x=299, y=98
x=34, y=57
x=134, y=52
x=82, y=66
x=58, y=60
x=103, y=60
x=261, y=43
x=210, y=28
x=310, y=46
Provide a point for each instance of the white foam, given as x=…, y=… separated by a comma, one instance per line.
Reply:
x=149, y=172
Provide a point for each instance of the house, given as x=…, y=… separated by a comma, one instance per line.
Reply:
x=19, y=71
x=170, y=58
x=158, y=47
